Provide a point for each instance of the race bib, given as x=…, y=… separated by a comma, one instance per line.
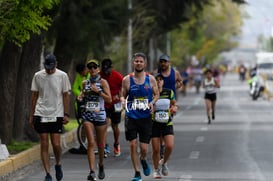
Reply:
x=48, y=119
x=162, y=116
x=92, y=106
x=141, y=104
x=118, y=107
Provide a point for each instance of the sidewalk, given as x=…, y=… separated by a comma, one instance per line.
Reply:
x=20, y=164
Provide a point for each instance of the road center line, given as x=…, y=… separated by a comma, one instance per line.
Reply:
x=200, y=139
x=204, y=129
x=194, y=155
x=185, y=178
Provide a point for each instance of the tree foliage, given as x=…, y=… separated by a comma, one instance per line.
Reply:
x=208, y=35
x=19, y=19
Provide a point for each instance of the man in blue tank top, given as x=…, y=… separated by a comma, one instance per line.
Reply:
x=172, y=77
x=139, y=93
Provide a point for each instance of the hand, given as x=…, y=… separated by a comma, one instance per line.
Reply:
x=65, y=119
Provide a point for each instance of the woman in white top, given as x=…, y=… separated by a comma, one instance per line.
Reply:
x=210, y=85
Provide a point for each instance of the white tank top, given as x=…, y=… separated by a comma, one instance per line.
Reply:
x=210, y=86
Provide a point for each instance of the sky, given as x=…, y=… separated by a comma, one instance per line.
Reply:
x=260, y=21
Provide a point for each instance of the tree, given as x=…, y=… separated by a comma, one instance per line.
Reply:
x=208, y=35
x=19, y=20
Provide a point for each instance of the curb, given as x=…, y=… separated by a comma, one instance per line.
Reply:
x=27, y=157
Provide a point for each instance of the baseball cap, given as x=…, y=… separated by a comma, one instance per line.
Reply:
x=93, y=61
x=164, y=57
x=106, y=63
x=50, y=62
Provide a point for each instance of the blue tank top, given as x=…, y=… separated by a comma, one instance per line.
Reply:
x=139, y=96
x=169, y=82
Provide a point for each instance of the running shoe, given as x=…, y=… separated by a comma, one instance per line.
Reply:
x=101, y=174
x=213, y=116
x=48, y=177
x=164, y=168
x=146, y=167
x=91, y=176
x=156, y=173
x=107, y=149
x=209, y=120
x=137, y=177
x=116, y=150
x=59, y=172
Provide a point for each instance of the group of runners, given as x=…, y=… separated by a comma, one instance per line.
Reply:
x=149, y=102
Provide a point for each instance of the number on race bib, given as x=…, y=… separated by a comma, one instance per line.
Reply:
x=92, y=106
x=162, y=116
x=48, y=119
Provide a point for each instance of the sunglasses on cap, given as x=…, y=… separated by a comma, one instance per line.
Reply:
x=92, y=67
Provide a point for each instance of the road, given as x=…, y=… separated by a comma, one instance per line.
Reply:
x=237, y=146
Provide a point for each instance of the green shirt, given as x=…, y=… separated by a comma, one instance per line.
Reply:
x=77, y=85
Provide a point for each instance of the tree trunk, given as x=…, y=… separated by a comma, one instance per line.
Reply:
x=9, y=59
x=29, y=64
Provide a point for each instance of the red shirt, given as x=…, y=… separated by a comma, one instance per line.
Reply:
x=114, y=80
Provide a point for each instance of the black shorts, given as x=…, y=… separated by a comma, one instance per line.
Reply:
x=113, y=115
x=50, y=127
x=141, y=127
x=162, y=129
x=211, y=97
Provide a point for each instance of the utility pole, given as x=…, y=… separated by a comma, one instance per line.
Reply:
x=130, y=46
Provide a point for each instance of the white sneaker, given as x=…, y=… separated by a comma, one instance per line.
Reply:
x=164, y=168
x=156, y=173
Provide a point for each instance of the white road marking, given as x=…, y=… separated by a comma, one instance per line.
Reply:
x=185, y=178
x=194, y=155
x=200, y=139
x=204, y=129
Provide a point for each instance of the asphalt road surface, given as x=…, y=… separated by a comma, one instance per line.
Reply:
x=237, y=146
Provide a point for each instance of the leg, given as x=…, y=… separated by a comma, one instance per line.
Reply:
x=208, y=107
x=57, y=149
x=156, y=151
x=44, y=143
x=116, y=133
x=89, y=130
x=169, y=143
x=100, y=132
x=100, y=139
x=213, y=103
x=56, y=145
x=106, y=146
x=134, y=154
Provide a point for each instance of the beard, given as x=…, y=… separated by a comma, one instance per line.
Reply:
x=137, y=70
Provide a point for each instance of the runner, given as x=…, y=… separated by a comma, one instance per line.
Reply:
x=95, y=92
x=210, y=85
x=163, y=127
x=113, y=110
x=139, y=93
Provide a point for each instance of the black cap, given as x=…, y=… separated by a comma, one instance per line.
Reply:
x=164, y=57
x=106, y=63
x=50, y=62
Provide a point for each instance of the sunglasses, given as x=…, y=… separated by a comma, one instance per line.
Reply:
x=92, y=67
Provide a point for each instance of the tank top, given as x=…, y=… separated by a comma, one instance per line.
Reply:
x=210, y=86
x=94, y=103
x=139, y=96
x=169, y=82
x=162, y=106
